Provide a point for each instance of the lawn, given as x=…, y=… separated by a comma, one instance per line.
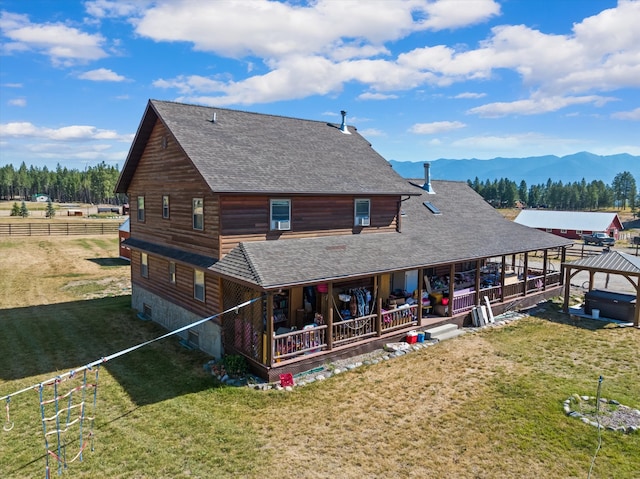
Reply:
x=484, y=405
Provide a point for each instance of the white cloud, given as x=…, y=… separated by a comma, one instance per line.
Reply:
x=275, y=30
x=535, y=106
x=470, y=95
x=18, y=102
x=627, y=115
x=62, y=44
x=101, y=74
x=67, y=133
x=371, y=132
x=436, y=127
x=376, y=96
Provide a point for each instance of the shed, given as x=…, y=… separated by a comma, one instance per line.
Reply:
x=612, y=262
x=571, y=224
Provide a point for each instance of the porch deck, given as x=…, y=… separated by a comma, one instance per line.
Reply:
x=298, y=351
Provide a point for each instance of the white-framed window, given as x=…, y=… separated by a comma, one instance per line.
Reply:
x=165, y=206
x=198, y=214
x=280, y=212
x=144, y=265
x=172, y=272
x=141, y=208
x=549, y=230
x=362, y=211
x=198, y=285
x=563, y=231
x=579, y=232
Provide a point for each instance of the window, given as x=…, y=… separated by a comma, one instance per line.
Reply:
x=280, y=214
x=579, y=232
x=165, y=206
x=198, y=285
x=549, y=230
x=198, y=216
x=144, y=265
x=433, y=208
x=172, y=272
x=362, y=211
x=563, y=231
x=140, y=208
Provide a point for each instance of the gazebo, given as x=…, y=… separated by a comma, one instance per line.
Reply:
x=612, y=262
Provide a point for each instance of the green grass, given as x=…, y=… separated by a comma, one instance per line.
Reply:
x=485, y=405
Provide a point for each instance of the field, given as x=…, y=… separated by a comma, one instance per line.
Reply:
x=484, y=405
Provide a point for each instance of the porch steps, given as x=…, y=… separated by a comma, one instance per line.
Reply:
x=446, y=331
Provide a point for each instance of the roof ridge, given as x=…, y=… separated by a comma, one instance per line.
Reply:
x=250, y=263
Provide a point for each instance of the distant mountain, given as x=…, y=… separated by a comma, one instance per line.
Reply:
x=533, y=170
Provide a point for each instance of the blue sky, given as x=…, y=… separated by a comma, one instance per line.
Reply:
x=420, y=79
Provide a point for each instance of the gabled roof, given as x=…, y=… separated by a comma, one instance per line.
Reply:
x=467, y=228
x=251, y=153
x=568, y=220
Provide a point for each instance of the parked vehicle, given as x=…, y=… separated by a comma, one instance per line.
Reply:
x=599, y=239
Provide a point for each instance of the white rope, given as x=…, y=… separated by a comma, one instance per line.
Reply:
x=131, y=349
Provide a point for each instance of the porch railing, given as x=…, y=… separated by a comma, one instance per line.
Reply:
x=494, y=293
x=304, y=341
x=350, y=330
x=402, y=316
x=463, y=302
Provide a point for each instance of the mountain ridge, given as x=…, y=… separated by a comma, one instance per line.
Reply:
x=533, y=169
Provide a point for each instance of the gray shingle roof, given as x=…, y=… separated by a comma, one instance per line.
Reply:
x=569, y=220
x=245, y=152
x=468, y=228
x=612, y=261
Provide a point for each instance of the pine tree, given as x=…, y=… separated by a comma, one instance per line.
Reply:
x=15, y=209
x=50, y=212
x=24, y=211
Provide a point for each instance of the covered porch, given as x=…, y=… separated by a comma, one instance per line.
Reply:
x=296, y=328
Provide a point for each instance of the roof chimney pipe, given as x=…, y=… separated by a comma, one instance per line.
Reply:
x=427, y=179
x=343, y=126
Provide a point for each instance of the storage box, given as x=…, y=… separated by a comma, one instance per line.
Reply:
x=435, y=297
x=412, y=337
x=421, y=337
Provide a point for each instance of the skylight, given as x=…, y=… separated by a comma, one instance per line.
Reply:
x=432, y=208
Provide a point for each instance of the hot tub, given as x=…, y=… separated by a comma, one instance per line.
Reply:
x=612, y=305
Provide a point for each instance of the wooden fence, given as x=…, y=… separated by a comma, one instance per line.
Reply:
x=59, y=229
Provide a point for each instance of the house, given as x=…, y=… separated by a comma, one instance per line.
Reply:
x=328, y=249
x=571, y=224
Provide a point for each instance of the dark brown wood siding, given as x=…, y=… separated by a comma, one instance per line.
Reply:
x=246, y=218
x=180, y=293
x=166, y=171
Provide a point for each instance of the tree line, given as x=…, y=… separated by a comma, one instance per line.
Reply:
x=93, y=185
x=505, y=193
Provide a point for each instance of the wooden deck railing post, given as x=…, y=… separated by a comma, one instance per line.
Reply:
x=502, y=277
x=452, y=287
x=379, y=318
x=476, y=299
x=525, y=275
x=544, y=270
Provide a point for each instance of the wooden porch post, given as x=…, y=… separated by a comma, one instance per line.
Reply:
x=376, y=288
x=525, y=275
x=476, y=299
x=269, y=315
x=567, y=289
x=562, y=260
x=544, y=270
x=502, y=276
x=452, y=286
x=329, y=316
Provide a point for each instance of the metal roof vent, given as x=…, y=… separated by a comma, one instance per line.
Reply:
x=214, y=117
x=427, y=179
x=343, y=125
